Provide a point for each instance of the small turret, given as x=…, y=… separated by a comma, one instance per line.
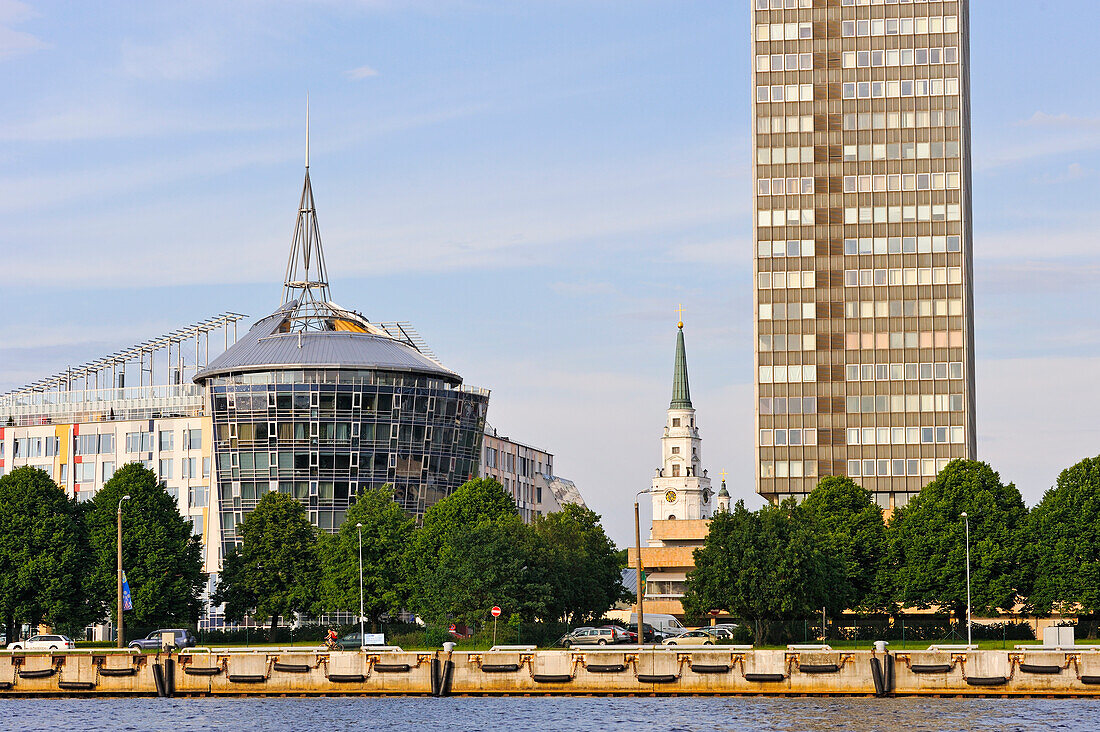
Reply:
x=723, y=498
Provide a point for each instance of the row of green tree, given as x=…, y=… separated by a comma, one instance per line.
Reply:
x=58, y=557
x=835, y=551
x=471, y=552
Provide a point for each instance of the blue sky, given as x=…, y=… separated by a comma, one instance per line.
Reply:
x=536, y=184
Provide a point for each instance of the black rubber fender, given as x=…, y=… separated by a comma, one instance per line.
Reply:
x=347, y=678
x=930, y=668
x=118, y=671
x=986, y=680
x=656, y=678
x=158, y=679
x=710, y=668
x=202, y=670
x=392, y=668
x=765, y=678
x=436, y=676
x=889, y=674
x=499, y=668
x=1033, y=668
x=247, y=678
x=819, y=668
x=170, y=677
x=76, y=685
x=552, y=678
x=291, y=668
x=877, y=677
x=446, y=678
x=40, y=673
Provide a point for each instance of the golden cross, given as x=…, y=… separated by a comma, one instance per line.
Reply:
x=723, y=474
x=680, y=312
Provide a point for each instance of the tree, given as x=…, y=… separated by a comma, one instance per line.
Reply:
x=44, y=554
x=161, y=555
x=387, y=531
x=275, y=571
x=1064, y=533
x=765, y=567
x=585, y=569
x=853, y=523
x=472, y=552
x=926, y=547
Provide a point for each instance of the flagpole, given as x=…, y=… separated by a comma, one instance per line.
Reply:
x=121, y=641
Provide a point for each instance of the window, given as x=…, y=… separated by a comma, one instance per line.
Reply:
x=206, y=467
x=166, y=439
x=164, y=470
x=84, y=473
x=198, y=496
x=675, y=471
x=189, y=468
x=139, y=442
x=108, y=470
x=675, y=421
x=107, y=444
x=194, y=439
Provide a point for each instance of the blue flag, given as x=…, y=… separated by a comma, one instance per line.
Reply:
x=127, y=604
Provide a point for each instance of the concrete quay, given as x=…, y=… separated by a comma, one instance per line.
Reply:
x=624, y=670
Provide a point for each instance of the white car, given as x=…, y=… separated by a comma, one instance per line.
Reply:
x=43, y=643
x=691, y=638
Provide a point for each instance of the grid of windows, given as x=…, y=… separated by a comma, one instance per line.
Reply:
x=323, y=436
x=861, y=168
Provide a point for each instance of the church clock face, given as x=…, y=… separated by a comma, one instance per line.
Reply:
x=670, y=496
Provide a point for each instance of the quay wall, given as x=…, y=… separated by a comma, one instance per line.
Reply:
x=622, y=670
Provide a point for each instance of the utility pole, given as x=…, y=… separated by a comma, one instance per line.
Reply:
x=362, y=637
x=638, y=567
x=120, y=640
x=966, y=521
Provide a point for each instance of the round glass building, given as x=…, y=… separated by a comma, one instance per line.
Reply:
x=317, y=402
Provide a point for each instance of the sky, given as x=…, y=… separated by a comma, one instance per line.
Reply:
x=535, y=184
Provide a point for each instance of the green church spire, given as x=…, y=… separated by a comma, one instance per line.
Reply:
x=681, y=394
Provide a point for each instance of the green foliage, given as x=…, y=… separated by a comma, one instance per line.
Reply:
x=1064, y=531
x=161, y=556
x=386, y=532
x=926, y=552
x=275, y=571
x=853, y=523
x=766, y=567
x=44, y=554
x=584, y=566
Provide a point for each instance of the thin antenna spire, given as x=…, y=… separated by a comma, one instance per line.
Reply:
x=307, y=130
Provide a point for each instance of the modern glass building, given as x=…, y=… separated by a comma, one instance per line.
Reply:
x=319, y=403
x=862, y=243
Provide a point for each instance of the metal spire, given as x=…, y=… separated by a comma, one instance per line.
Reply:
x=309, y=288
x=681, y=394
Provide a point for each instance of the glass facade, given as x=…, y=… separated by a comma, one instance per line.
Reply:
x=323, y=435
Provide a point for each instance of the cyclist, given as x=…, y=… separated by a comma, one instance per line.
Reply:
x=330, y=640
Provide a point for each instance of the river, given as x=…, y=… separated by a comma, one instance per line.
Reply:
x=542, y=713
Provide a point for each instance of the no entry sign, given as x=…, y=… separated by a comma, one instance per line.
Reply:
x=496, y=611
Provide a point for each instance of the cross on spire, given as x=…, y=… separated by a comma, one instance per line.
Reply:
x=680, y=313
x=723, y=474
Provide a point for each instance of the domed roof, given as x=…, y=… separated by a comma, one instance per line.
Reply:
x=349, y=343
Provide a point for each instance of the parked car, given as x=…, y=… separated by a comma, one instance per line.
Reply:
x=182, y=639
x=652, y=635
x=43, y=643
x=700, y=637
x=661, y=622
x=595, y=637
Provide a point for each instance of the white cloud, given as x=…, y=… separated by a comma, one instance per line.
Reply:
x=1042, y=119
x=361, y=72
x=13, y=42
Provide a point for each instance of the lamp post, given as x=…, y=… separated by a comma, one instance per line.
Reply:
x=638, y=567
x=966, y=522
x=362, y=637
x=120, y=640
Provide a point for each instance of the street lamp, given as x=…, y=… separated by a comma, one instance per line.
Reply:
x=362, y=638
x=120, y=640
x=966, y=522
x=638, y=566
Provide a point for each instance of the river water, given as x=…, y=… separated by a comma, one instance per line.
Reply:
x=542, y=713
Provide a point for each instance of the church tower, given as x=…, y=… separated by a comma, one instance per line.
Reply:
x=681, y=488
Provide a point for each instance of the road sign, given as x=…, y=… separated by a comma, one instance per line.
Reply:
x=496, y=611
